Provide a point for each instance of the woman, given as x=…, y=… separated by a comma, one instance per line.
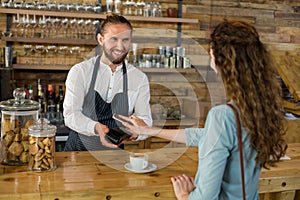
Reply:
x=249, y=77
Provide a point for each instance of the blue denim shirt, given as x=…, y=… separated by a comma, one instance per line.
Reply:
x=219, y=175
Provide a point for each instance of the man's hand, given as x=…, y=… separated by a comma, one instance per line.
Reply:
x=102, y=130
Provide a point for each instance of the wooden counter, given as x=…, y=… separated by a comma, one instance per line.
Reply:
x=83, y=175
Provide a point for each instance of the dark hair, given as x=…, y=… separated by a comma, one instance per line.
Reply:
x=249, y=76
x=111, y=19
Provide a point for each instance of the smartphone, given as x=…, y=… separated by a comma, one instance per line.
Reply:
x=117, y=117
x=117, y=135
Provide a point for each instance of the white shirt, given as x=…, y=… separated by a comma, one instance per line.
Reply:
x=107, y=84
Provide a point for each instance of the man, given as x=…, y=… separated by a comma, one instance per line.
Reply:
x=102, y=86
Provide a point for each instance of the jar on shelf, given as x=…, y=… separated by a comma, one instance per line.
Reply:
x=16, y=116
x=109, y=6
x=42, y=146
x=117, y=7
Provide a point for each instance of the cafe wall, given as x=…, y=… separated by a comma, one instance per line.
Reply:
x=278, y=23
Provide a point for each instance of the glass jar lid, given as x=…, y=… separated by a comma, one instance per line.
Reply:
x=42, y=128
x=19, y=103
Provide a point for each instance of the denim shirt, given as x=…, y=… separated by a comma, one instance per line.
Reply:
x=219, y=175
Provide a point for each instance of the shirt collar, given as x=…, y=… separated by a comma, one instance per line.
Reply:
x=118, y=68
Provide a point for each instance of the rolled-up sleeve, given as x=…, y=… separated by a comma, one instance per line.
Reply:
x=75, y=91
x=142, y=108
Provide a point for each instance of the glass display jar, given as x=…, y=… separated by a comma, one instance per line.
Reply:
x=17, y=115
x=42, y=146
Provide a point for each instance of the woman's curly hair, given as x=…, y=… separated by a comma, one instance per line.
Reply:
x=249, y=77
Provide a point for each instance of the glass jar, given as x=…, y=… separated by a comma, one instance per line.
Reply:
x=17, y=115
x=42, y=146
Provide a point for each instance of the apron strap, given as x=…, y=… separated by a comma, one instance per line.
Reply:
x=94, y=76
x=125, y=82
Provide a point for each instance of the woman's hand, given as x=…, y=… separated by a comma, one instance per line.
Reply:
x=139, y=122
x=183, y=185
x=102, y=130
x=137, y=126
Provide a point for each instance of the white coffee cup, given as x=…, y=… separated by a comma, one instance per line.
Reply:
x=138, y=161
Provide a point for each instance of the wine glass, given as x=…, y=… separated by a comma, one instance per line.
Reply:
x=80, y=26
x=49, y=25
x=97, y=7
x=14, y=23
x=64, y=50
x=70, y=5
x=62, y=6
x=109, y=6
x=29, y=4
x=33, y=25
x=88, y=27
x=28, y=52
x=65, y=25
x=95, y=25
x=75, y=50
x=79, y=7
x=21, y=26
x=40, y=50
x=41, y=5
x=88, y=6
x=26, y=25
x=73, y=25
x=50, y=53
x=55, y=25
x=52, y=5
x=140, y=8
x=17, y=4
x=42, y=26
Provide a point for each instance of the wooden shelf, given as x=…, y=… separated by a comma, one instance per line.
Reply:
x=95, y=16
x=64, y=67
x=66, y=41
x=41, y=67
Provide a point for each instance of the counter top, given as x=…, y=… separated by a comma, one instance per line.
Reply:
x=101, y=175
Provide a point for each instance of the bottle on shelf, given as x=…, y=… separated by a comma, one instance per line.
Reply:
x=60, y=99
x=59, y=107
x=41, y=99
x=30, y=92
x=50, y=99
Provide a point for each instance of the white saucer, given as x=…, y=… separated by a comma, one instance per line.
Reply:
x=151, y=167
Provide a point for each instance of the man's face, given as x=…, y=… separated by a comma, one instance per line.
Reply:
x=116, y=43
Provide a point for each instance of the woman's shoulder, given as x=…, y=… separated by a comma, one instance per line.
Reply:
x=221, y=111
x=220, y=108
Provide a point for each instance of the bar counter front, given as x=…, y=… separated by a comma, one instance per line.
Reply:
x=101, y=175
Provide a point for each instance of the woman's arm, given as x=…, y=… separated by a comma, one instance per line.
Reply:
x=175, y=135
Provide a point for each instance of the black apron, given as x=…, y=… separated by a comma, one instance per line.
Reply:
x=97, y=109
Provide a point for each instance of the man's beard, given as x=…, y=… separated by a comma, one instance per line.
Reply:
x=110, y=57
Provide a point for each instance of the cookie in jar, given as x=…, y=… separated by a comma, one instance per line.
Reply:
x=42, y=146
